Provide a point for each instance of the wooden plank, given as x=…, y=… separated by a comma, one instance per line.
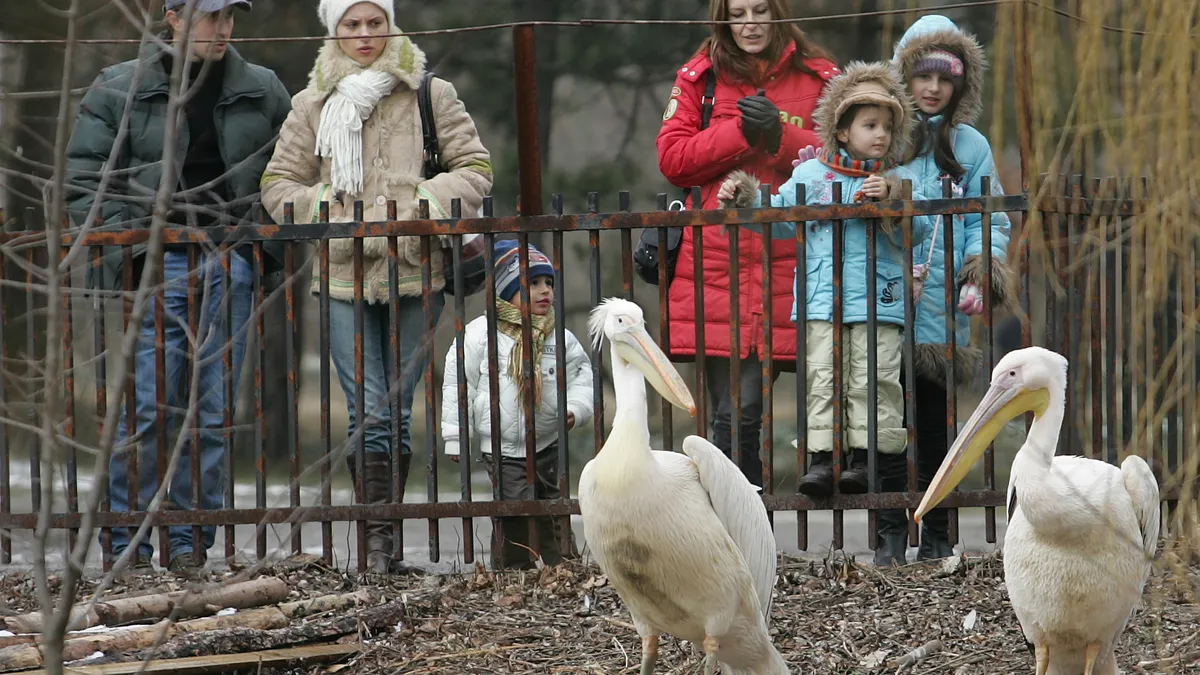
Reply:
x=218, y=663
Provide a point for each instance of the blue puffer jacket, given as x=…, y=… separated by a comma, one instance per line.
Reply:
x=974, y=154
x=818, y=180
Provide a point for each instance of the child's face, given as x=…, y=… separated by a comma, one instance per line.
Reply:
x=870, y=134
x=541, y=296
x=931, y=91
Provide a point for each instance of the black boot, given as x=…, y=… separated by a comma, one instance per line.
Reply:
x=935, y=536
x=853, y=480
x=377, y=478
x=818, y=482
x=891, y=542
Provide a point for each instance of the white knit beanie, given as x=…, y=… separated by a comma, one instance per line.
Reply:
x=332, y=11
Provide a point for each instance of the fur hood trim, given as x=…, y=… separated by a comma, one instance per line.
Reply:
x=861, y=82
x=401, y=58
x=929, y=361
x=932, y=32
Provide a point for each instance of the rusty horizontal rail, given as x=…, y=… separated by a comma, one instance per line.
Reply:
x=548, y=223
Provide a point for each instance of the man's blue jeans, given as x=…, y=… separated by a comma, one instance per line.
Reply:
x=210, y=410
x=415, y=350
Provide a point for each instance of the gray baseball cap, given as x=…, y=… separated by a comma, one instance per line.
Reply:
x=207, y=5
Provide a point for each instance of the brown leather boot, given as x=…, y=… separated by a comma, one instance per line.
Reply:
x=377, y=479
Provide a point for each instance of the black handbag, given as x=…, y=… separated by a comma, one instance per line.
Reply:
x=474, y=262
x=648, y=254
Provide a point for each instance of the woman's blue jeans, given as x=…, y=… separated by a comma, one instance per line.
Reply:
x=415, y=350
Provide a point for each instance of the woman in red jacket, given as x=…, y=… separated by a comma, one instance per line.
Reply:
x=768, y=77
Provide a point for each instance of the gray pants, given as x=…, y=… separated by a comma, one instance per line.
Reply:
x=511, y=540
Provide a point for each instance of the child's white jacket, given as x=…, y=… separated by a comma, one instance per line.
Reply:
x=512, y=409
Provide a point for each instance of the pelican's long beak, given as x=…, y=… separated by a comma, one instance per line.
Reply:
x=1000, y=404
x=638, y=348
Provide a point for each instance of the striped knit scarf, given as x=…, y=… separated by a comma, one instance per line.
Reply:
x=508, y=322
x=859, y=168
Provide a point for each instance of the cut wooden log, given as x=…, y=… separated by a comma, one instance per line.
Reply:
x=243, y=639
x=326, y=603
x=21, y=657
x=221, y=663
x=181, y=604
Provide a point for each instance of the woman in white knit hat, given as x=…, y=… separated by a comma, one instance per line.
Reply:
x=355, y=134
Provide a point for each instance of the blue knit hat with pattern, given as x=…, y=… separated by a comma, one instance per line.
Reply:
x=508, y=268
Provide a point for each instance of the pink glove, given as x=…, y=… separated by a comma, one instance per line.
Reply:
x=806, y=153
x=919, y=274
x=970, y=300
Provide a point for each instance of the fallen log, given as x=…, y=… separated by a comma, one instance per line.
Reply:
x=221, y=663
x=242, y=639
x=181, y=604
x=21, y=657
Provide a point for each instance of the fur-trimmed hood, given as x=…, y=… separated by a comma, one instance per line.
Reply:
x=401, y=58
x=936, y=31
x=862, y=82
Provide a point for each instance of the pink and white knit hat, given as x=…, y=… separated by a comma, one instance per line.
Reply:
x=943, y=62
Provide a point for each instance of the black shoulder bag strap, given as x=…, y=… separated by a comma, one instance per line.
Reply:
x=706, y=108
x=433, y=155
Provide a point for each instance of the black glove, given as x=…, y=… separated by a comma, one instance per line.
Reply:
x=760, y=121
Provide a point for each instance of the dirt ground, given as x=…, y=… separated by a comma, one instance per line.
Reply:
x=830, y=616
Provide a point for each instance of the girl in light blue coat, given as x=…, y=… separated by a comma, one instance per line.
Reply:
x=943, y=68
x=864, y=119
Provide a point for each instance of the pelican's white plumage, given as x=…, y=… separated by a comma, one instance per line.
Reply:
x=683, y=538
x=1081, y=533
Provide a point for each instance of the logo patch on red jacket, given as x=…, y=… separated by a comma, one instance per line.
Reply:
x=672, y=106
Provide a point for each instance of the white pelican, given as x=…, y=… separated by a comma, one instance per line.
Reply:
x=683, y=538
x=1081, y=532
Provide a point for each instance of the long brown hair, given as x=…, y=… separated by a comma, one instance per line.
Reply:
x=732, y=63
x=939, y=140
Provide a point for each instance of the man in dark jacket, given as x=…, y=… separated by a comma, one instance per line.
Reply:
x=226, y=134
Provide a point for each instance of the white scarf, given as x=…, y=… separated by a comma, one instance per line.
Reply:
x=339, y=135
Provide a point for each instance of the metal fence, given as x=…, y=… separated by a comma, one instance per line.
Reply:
x=1084, y=318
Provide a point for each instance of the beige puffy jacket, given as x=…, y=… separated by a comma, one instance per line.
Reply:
x=392, y=168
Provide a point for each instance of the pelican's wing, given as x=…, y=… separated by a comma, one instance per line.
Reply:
x=740, y=509
x=1143, y=491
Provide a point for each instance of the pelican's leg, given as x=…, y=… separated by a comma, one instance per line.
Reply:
x=1041, y=654
x=649, y=653
x=710, y=655
x=1089, y=659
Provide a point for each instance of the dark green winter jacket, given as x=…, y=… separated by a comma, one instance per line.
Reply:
x=249, y=112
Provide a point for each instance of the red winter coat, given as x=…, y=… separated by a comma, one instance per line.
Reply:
x=688, y=156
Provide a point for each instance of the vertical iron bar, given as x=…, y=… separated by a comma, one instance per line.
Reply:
x=362, y=415
x=767, y=357
x=839, y=422
x=326, y=422
x=160, y=393
x=100, y=362
x=735, y=344
x=68, y=352
x=293, y=382
x=597, y=353
x=1068, y=230
x=32, y=375
x=528, y=404
x=872, y=376
x=698, y=318
x=910, y=374
x=951, y=347
x=989, y=351
x=529, y=154
x=464, y=420
x=260, y=425
x=801, y=293
x=394, y=375
x=1110, y=317
x=493, y=370
x=133, y=439
x=560, y=361
x=194, y=298
x=229, y=382
x=435, y=537
x=1096, y=334
x=626, y=249
x=664, y=326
